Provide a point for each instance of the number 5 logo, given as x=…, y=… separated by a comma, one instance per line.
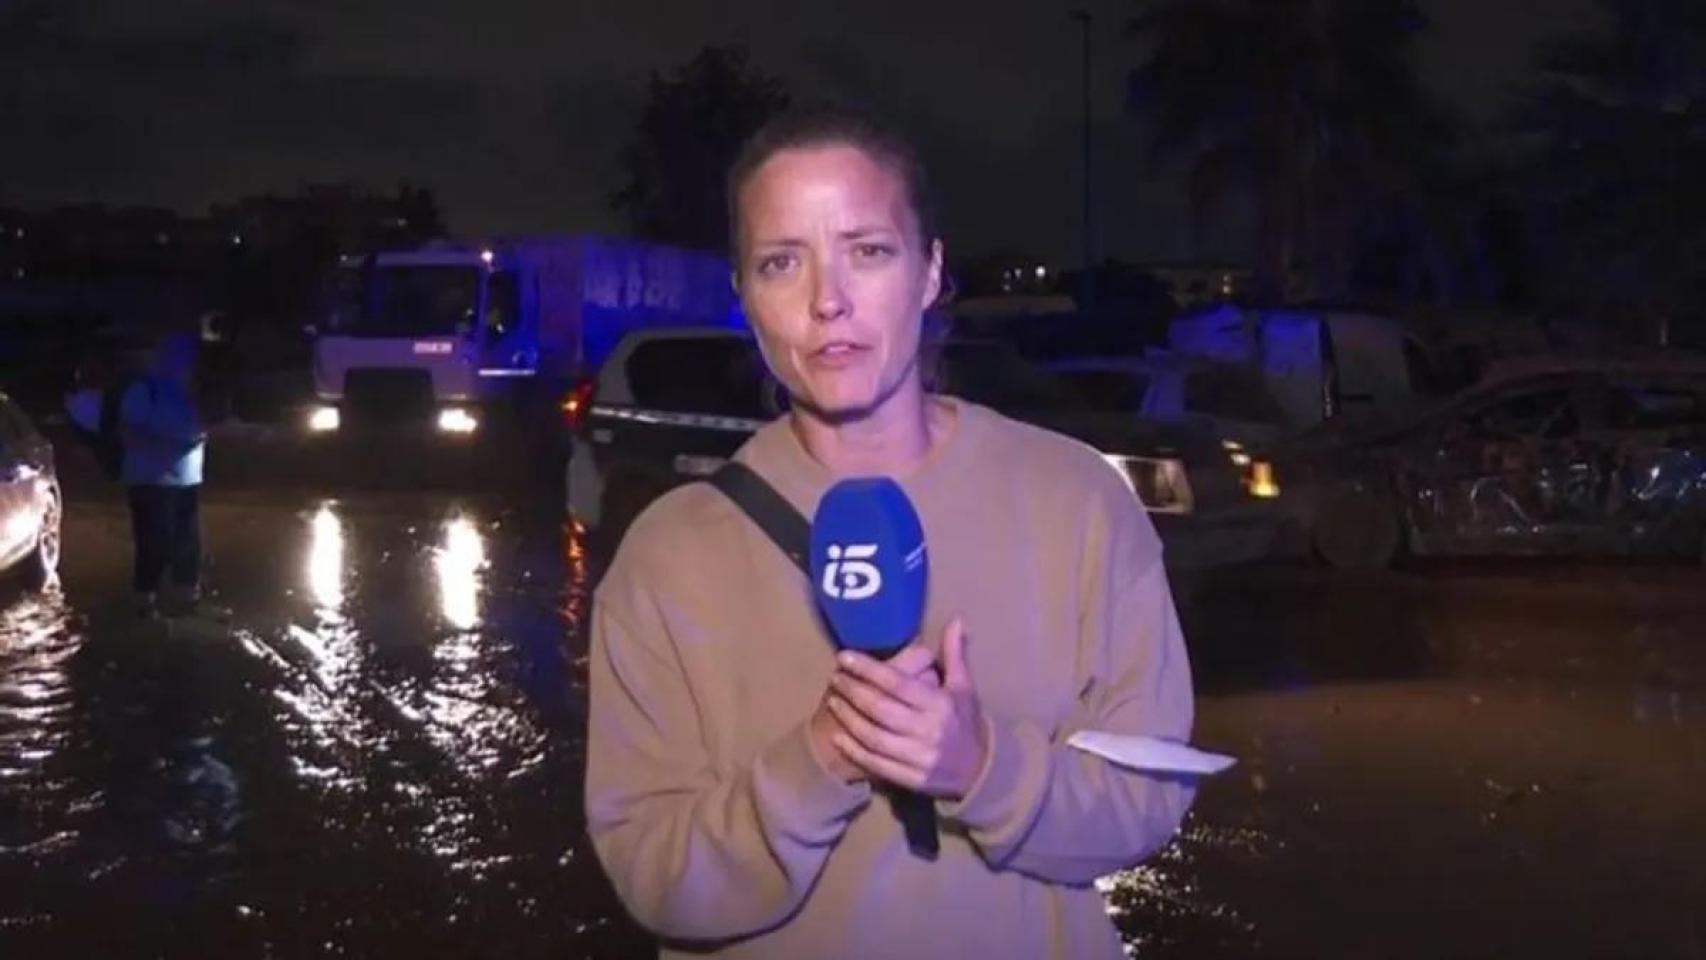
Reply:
x=850, y=574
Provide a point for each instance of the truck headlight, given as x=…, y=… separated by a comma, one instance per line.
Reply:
x=324, y=419
x=1160, y=483
x=457, y=420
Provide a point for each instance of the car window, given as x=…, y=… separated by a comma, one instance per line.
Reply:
x=1425, y=378
x=502, y=304
x=1231, y=395
x=1655, y=407
x=1004, y=381
x=1109, y=389
x=1548, y=414
x=713, y=375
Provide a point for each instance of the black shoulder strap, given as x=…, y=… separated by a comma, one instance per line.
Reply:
x=767, y=508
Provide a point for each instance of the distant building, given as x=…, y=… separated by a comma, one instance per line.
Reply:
x=93, y=240
x=1196, y=283
x=1007, y=274
x=336, y=216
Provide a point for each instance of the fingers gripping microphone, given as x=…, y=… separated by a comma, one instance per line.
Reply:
x=871, y=571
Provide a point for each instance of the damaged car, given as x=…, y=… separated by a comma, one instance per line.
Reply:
x=1550, y=457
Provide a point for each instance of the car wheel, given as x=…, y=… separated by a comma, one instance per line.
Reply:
x=1357, y=529
x=41, y=568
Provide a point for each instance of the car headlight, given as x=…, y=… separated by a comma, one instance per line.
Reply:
x=324, y=419
x=1160, y=483
x=1260, y=482
x=457, y=420
x=1256, y=476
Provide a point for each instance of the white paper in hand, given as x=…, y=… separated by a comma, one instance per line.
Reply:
x=1149, y=754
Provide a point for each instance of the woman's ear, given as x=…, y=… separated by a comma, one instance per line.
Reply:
x=933, y=276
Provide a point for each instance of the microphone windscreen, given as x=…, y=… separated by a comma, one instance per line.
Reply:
x=870, y=569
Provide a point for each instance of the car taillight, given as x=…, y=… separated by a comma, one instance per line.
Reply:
x=576, y=404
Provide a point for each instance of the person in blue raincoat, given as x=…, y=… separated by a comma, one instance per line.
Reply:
x=165, y=444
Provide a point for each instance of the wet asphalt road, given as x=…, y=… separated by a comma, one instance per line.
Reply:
x=381, y=755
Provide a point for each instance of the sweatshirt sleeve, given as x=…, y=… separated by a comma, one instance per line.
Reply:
x=696, y=851
x=1052, y=811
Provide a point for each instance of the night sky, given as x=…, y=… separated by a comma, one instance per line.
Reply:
x=514, y=110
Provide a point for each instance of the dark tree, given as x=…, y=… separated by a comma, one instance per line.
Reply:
x=1617, y=193
x=693, y=123
x=418, y=206
x=1310, y=108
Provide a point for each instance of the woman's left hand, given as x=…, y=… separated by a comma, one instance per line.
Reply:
x=907, y=730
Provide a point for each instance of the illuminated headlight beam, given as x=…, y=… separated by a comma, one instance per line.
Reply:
x=458, y=564
x=326, y=559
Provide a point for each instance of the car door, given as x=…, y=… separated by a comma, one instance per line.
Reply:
x=674, y=412
x=1510, y=473
x=21, y=474
x=1654, y=449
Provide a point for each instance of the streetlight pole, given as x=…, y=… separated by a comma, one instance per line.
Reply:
x=1087, y=244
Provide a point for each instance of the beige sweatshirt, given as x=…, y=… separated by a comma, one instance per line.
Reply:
x=723, y=833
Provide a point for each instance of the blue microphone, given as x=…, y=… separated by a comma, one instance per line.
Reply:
x=871, y=572
x=870, y=565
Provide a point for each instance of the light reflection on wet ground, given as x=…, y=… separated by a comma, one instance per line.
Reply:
x=378, y=756
x=382, y=755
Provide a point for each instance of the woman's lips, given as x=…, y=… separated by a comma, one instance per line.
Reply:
x=837, y=355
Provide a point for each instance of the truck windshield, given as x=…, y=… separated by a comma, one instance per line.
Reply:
x=420, y=301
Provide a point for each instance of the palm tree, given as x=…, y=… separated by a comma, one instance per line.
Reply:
x=1617, y=183
x=1309, y=107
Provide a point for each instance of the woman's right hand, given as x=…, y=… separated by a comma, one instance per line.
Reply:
x=915, y=660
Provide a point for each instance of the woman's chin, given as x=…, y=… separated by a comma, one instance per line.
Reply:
x=842, y=399
x=838, y=406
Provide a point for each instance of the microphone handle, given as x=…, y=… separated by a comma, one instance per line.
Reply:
x=917, y=815
x=915, y=811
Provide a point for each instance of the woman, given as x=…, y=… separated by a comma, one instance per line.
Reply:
x=732, y=753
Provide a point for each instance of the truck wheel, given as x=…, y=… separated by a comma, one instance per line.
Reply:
x=1357, y=529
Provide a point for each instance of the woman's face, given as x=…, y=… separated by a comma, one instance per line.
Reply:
x=834, y=277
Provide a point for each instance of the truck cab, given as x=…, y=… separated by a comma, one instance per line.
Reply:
x=422, y=336
x=451, y=335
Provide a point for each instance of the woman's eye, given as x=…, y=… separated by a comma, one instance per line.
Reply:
x=775, y=263
x=873, y=251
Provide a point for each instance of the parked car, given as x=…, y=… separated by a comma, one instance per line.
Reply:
x=1231, y=400
x=1212, y=503
x=29, y=500
x=1553, y=456
x=671, y=405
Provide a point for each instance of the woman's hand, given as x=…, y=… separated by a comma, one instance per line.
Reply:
x=898, y=725
x=915, y=661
